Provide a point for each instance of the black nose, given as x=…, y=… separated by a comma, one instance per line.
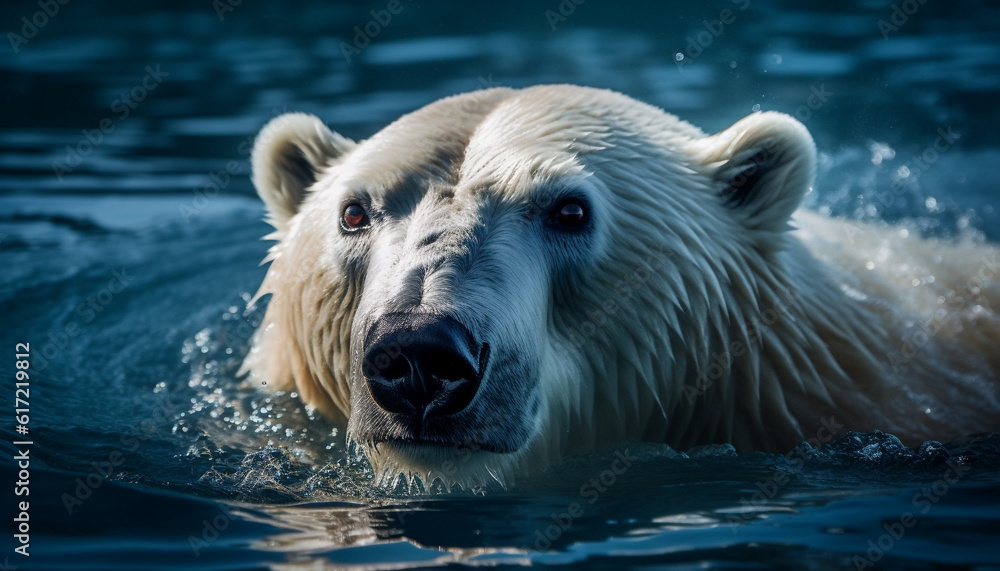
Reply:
x=422, y=364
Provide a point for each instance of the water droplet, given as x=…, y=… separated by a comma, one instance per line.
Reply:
x=870, y=265
x=732, y=65
x=930, y=203
x=915, y=282
x=679, y=56
x=755, y=108
x=903, y=171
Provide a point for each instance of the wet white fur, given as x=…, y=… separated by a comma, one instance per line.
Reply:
x=806, y=331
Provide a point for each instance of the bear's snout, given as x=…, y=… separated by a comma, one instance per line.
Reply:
x=422, y=365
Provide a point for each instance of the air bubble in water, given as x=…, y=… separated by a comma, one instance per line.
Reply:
x=881, y=152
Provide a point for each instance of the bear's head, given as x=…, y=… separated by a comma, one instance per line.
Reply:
x=508, y=276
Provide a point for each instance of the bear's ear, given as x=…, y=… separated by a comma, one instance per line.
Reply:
x=764, y=165
x=289, y=155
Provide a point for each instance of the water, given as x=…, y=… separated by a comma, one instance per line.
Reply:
x=128, y=272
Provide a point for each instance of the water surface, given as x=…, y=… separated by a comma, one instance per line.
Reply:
x=130, y=243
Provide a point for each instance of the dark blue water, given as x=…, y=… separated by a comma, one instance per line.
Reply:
x=129, y=236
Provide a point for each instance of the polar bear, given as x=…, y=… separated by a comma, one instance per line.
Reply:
x=506, y=277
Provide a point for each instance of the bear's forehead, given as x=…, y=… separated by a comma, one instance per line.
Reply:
x=504, y=139
x=493, y=134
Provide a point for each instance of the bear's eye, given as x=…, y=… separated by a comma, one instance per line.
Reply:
x=570, y=214
x=354, y=218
